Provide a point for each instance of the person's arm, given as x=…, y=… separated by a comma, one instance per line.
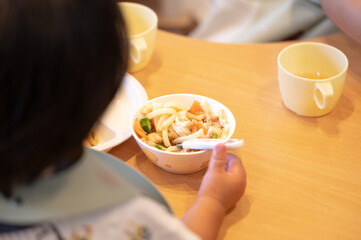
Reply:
x=346, y=14
x=223, y=185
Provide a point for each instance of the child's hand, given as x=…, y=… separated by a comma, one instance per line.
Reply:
x=225, y=180
x=221, y=188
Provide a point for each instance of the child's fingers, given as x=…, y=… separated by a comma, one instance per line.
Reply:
x=234, y=164
x=219, y=158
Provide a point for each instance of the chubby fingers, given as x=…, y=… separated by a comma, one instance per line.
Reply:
x=234, y=164
x=219, y=158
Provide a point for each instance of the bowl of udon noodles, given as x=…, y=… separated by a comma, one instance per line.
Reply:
x=161, y=125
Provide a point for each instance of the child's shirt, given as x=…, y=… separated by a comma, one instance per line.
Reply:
x=138, y=219
x=99, y=198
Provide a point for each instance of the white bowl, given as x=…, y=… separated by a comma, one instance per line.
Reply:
x=181, y=163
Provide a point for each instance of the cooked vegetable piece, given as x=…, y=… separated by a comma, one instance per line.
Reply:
x=160, y=147
x=146, y=124
x=215, y=135
x=200, y=125
x=139, y=130
x=196, y=108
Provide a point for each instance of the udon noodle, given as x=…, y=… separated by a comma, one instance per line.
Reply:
x=165, y=125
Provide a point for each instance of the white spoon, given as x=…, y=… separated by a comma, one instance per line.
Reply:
x=201, y=143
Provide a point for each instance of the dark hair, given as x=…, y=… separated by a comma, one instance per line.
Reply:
x=61, y=62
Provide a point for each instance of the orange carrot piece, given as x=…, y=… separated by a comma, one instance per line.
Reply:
x=139, y=130
x=205, y=130
x=196, y=108
x=153, y=125
x=200, y=125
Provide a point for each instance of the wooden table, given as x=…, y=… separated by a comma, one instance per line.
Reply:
x=304, y=174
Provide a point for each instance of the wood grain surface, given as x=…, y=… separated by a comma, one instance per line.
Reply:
x=303, y=174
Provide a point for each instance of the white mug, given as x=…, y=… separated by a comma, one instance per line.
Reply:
x=141, y=22
x=311, y=77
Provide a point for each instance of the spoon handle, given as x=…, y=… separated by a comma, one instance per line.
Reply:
x=198, y=143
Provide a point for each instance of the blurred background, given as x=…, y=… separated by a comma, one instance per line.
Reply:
x=242, y=21
x=180, y=16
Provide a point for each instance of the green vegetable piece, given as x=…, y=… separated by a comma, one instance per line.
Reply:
x=146, y=124
x=215, y=135
x=160, y=147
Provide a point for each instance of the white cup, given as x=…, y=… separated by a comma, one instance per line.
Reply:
x=311, y=77
x=142, y=24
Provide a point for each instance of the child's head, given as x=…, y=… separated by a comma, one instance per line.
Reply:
x=61, y=62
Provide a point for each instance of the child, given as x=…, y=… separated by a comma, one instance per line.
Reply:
x=61, y=62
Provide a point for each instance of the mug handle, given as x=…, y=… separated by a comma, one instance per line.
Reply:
x=323, y=94
x=140, y=46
